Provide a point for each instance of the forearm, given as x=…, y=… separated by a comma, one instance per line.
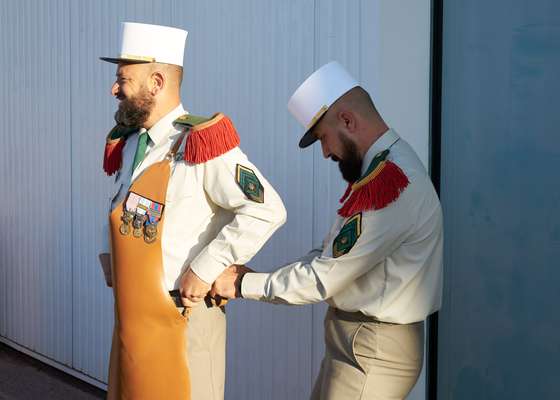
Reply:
x=296, y=283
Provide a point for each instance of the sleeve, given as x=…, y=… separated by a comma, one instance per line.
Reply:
x=255, y=219
x=115, y=194
x=306, y=259
x=311, y=281
x=105, y=238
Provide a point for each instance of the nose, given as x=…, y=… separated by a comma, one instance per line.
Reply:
x=115, y=89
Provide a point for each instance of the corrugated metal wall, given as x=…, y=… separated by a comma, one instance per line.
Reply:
x=244, y=58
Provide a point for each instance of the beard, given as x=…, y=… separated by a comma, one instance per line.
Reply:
x=350, y=165
x=133, y=112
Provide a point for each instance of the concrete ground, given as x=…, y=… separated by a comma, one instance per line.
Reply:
x=24, y=378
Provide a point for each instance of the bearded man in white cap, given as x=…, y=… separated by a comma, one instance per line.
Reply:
x=186, y=204
x=380, y=266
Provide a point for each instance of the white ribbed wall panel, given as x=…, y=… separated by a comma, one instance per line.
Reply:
x=35, y=159
x=244, y=58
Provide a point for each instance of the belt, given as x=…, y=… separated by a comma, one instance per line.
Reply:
x=357, y=316
x=209, y=301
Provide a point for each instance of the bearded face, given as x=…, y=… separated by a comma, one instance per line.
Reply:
x=134, y=111
x=350, y=163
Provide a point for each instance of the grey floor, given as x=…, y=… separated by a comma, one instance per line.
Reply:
x=24, y=378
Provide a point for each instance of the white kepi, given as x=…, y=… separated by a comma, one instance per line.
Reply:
x=312, y=98
x=145, y=43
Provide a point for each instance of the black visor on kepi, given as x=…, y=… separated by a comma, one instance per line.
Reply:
x=116, y=60
x=308, y=139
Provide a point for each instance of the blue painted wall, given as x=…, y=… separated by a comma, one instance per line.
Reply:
x=499, y=334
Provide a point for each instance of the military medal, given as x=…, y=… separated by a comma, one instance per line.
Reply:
x=138, y=223
x=128, y=214
x=124, y=229
x=150, y=233
x=154, y=215
x=144, y=215
x=126, y=218
x=136, y=205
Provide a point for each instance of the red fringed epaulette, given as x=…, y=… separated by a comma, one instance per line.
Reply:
x=112, y=159
x=382, y=184
x=208, y=138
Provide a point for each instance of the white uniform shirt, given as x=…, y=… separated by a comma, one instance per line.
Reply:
x=394, y=270
x=209, y=222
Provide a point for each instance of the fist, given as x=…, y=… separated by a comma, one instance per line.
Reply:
x=228, y=284
x=192, y=289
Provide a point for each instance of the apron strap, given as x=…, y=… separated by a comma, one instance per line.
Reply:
x=176, y=146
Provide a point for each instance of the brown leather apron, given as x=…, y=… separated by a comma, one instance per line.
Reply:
x=148, y=353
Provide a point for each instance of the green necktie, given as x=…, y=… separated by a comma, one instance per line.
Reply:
x=140, y=149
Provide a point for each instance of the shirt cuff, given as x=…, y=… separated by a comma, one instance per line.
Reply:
x=207, y=268
x=253, y=285
x=105, y=239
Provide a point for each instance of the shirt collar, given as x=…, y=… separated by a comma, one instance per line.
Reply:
x=384, y=142
x=160, y=130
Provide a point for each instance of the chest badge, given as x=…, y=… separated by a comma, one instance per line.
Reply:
x=348, y=235
x=249, y=184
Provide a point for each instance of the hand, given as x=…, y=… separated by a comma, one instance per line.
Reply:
x=105, y=260
x=228, y=284
x=192, y=289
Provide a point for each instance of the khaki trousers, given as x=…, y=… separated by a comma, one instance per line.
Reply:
x=369, y=360
x=206, y=350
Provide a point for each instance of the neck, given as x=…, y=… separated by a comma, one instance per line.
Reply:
x=161, y=110
x=375, y=131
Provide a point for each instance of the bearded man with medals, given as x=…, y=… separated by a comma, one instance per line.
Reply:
x=186, y=204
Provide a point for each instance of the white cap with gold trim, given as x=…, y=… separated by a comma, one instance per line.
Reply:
x=144, y=43
x=312, y=98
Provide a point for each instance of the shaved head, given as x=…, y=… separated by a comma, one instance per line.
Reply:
x=358, y=100
x=173, y=72
x=348, y=129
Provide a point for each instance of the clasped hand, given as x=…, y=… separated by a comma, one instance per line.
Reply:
x=228, y=283
x=193, y=289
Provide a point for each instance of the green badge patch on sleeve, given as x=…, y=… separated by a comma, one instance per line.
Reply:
x=249, y=184
x=348, y=236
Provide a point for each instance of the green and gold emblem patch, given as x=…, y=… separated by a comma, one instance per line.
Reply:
x=348, y=236
x=249, y=184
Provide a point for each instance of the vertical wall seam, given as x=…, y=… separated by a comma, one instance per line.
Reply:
x=314, y=199
x=72, y=238
x=360, y=34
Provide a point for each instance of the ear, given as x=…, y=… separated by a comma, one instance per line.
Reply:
x=157, y=82
x=348, y=120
